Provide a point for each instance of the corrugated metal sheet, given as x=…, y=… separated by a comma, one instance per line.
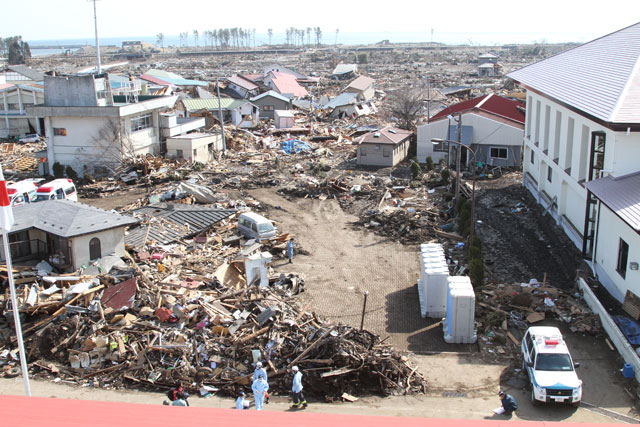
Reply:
x=175, y=79
x=208, y=103
x=621, y=195
x=65, y=218
x=174, y=221
x=600, y=78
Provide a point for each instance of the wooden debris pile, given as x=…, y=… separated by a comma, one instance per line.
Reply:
x=123, y=330
x=504, y=312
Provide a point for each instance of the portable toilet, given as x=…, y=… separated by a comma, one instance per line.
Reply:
x=435, y=290
x=459, y=323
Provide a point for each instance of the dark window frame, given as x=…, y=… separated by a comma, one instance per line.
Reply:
x=623, y=258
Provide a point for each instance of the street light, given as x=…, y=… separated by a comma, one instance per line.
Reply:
x=472, y=227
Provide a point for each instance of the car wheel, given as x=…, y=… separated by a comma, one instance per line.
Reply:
x=534, y=401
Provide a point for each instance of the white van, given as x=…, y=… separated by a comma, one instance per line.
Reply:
x=62, y=188
x=22, y=192
x=254, y=226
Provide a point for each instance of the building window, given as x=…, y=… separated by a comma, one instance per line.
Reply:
x=95, y=252
x=141, y=122
x=179, y=154
x=499, y=153
x=549, y=173
x=623, y=254
x=14, y=106
x=60, y=131
x=268, y=107
x=441, y=146
x=386, y=152
x=533, y=157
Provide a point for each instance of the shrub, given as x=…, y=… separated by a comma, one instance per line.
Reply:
x=476, y=272
x=71, y=173
x=415, y=170
x=429, y=163
x=446, y=175
x=58, y=170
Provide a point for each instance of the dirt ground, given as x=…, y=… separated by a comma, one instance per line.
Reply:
x=340, y=261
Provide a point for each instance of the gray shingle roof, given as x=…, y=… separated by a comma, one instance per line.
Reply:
x=621, y=195
x=34, y=75
x=65, y=218
x=600, y=78
x=171, y=220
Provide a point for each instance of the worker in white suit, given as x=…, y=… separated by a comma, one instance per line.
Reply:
x=259, y=387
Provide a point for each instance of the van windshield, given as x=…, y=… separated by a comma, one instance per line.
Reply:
x=265, y=226
x=41, y=197
x=553, y=362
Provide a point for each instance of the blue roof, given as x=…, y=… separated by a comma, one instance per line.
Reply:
x=175, y=79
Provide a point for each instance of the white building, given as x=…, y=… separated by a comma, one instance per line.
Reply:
x=194, y=147
x=492, y=126
x=87, y=130
x=581, y=150
x=14, y=99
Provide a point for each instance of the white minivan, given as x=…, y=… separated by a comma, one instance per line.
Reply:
x=22, y=192
x=547, y=362
x=62, y=188
x=254, y=226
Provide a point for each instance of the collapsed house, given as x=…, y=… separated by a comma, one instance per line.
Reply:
x=240, y=113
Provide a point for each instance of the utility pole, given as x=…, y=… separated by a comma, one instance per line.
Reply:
x=95, y=20
x=224, y=142
x=428, y=97
x=364, y=309
x=458, y=152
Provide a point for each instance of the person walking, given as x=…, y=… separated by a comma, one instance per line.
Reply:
x=256, y=374
x=509, y=404
x=298, y=397
x=259, y=387
x=290, y=250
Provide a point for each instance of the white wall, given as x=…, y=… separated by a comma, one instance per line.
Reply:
x=486, y=132
x=611, y=229
x=189, y=145
x=111, y=242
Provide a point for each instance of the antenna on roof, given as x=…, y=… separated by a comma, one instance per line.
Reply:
x=95, y=20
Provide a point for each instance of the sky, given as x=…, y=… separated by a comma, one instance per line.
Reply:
x=542, y=20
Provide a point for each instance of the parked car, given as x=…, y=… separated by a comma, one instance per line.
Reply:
x=254, y=226
x=30, y=137
x=551, y=371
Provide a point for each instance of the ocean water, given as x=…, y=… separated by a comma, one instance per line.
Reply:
x=331, y=38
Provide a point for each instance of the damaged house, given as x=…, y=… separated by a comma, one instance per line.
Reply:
x=269, y=102
x=92, y=130
x=385, y=147
x=581, y=150
x=239, y=112
x=14, y=100
x=66, y=234
x=493, y=126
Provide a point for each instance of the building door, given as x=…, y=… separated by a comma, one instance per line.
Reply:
x=95, y=252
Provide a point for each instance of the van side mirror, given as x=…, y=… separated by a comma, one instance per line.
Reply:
x=530, y=364
x=576, y=365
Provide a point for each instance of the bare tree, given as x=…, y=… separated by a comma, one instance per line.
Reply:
x=114, y=144
x=407, y=104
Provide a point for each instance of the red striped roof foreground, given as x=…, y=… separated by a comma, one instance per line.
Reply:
x=21, y=411
x=494, y=104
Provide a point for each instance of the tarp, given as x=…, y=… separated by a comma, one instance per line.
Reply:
x=294, y=146
x=629, y=328
x=201, y=193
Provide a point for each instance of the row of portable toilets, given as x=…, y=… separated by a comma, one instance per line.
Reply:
x=450, y=298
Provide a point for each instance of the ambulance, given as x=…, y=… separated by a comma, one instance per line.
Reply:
x=551, y=371
x=22, y=192
x=62, y=188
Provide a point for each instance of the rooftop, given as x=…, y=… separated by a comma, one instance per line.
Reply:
x=65, y=218
x=386, y=135
x=601, y=78
x=621, y=195
x=287, y=83
x=493, y=104
x=361, y=83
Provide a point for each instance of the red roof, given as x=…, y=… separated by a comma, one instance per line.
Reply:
x=493, y=104
x=21, y=411
x=155, y=80
x=287, y=83
x=6, y=85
